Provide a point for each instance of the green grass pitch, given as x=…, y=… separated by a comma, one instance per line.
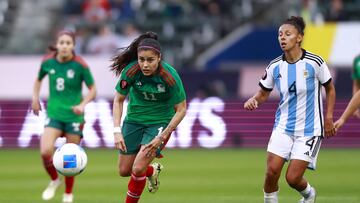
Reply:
x=189, y=176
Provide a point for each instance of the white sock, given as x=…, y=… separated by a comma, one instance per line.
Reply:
x=307, y=192
x=271, y=197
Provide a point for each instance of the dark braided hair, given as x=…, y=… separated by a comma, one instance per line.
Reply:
x=129, y=54
x=298, y=22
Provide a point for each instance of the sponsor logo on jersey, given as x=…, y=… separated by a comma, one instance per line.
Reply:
x=160, y=88
x=139, y=83
x=70, y=73
x=123, y=84
x=52, y=71
x=279, y=76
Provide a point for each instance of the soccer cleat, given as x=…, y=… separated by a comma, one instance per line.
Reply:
x=68, y=198
x=49, y=192
x=311, y=198
x=153, y=181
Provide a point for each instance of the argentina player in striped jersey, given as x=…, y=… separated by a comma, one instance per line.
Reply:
x=300, y=125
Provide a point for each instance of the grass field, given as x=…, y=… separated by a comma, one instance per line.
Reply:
x=189, y=176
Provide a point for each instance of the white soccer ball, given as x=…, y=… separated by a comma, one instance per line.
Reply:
x=70, y=159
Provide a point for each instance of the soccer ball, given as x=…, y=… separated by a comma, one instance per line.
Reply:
x=70, y=159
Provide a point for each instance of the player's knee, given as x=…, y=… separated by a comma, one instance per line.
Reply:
x=293, y=180
x=272, y=172
x=136, y=170
x=124, y=172
x=46, y=154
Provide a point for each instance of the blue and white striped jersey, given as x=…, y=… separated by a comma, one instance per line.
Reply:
x=300, y=111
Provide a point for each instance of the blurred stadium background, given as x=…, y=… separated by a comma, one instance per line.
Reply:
x=220, y=48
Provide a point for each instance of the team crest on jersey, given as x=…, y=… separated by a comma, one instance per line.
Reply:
x=52, y=71
x=123, y=84
x=139, y=83
x=70, y=73
x=160, y=88
x=306, y=74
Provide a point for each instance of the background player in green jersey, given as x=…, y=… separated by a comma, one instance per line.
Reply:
x=65, y=107
x=354, y=104
x=356, y=80
x=157, y=104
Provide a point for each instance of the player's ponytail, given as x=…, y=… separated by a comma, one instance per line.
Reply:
x=298, y=22
x=129, y=54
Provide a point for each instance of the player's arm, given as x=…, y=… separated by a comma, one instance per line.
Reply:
x=35, y=104
x=255, y=101
x=355, y=88
x=117, y=114
x=330, y=103
x=180, y=112
x=353, y=105
x=158, y=141
x=79, y=109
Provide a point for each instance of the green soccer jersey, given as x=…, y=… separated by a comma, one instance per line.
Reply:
x=151, y=98
x=65, y=82
x=356, y=69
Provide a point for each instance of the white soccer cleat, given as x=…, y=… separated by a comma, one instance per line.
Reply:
x=68, y=198
x=49, y=192
x=153, y=181
x=311, y=198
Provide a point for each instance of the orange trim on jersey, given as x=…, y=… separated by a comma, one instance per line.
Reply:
x=133, y=70
x=81, y=61
x=169, y=79
x=49, y=56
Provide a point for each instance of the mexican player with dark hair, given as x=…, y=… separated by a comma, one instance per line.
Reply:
x=157, y=104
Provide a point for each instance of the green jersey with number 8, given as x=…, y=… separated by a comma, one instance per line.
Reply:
x=65, y=82
x=151, y=98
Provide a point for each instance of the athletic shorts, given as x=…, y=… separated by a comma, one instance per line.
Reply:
x=295, y=147
x=66, y=127
x=136, y=135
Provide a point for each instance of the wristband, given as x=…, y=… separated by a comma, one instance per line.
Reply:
x=117, y=129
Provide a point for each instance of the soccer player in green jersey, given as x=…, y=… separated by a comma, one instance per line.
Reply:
x=65, y=107
x=157, y=104
x=356, y=80
x=354, y=104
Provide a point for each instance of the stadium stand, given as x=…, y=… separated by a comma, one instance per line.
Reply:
x=8, y=11
x=186, y=28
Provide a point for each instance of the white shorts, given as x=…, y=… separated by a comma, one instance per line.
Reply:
x=295, y=147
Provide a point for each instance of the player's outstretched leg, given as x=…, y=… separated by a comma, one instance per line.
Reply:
x=50, y=190
x=153, y=181
x=309, y=196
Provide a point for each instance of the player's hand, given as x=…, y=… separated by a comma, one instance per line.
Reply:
x=339, y=123
x=251, y=104
x=119, y=142
x=35, y=106
x=78, y=109
x=150, y=149
x=330, y=129
x=357, y=113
